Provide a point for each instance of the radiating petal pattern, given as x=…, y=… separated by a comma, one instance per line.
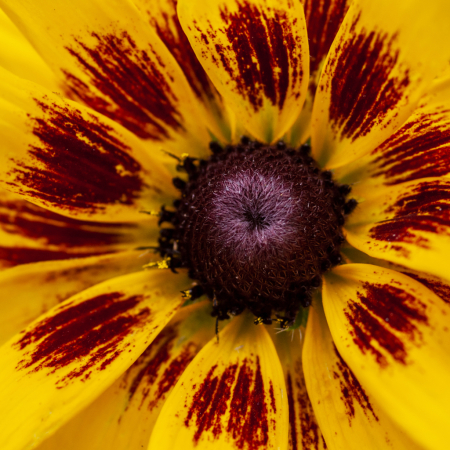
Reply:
x=123, y=417
x=106, y=56
x=70, y=355
x=231, y=396
x=408, y=224
x=384, y=56
x=348, y=416
x=29, y=233
x=63, y=156
x=393, y=333
x=256, y=54
x=304, y=432
x=30, y=290
x=323, y=19
x=162, y=16
x=435, y=284
x=419, y=149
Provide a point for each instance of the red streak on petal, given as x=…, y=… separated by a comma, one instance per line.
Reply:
x=293, y=440
x=174, y=371
x=352, y=391
x=272, y=398
x=78, y=164
x=264, y=50
x=362, y=90
x=150, y=362
x=248, y=422
x=425, y=198
x=384, y=312
x=89, y=333
x=441, y=289
x=238, y=391
x=13, y=256
x=419, y=149
x=210, y=402
x=178, y=44
x=298, y=400
x=23, y=218
x=399, y=231
x=425, y=208
x=323, y=19
x=131, y=88
x=158, y=366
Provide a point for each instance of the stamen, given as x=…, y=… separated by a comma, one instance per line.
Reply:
x=163, y=264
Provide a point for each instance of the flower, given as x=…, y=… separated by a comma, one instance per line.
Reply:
x=98, y=353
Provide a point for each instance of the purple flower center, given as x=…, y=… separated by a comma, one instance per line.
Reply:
x=256, y=226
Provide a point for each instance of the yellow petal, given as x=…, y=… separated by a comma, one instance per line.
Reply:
x=63, y=156
x=123, y=417
x=419, y=149
x=323, y=19
x=348, y=416
x=256, y=54
x=29, y=233
x=304, y=432
x=383, y=58
x=300, y=131
x=37, y=287
x=19, y=57
x=232, y=396
x=162, y=16
x=407, y=224
x=65, y=359
x=435, y=284
x=106, y=55
x=393, y=333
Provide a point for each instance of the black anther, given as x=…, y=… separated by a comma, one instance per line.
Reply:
x=215, y=147
x=179, y=183
x=350, y=206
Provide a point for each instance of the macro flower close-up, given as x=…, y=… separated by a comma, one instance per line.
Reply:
x=224, y=224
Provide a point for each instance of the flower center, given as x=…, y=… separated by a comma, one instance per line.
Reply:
x=256, y=226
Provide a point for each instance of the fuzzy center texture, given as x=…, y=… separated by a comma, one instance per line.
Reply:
x=257, y=226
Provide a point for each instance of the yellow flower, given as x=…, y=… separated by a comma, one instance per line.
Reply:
x=100, y=354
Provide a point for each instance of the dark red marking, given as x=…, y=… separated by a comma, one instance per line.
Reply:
x=264, y=49
x=246, y=404
x=174, y=371
x=132, y=88
x=248, y=423
x=210, y=401
x=178, y=44
x=309, y=432
x=90, y=332
x=293, y=441
x=77, y=163
x=426, y=208
x=157, y=365
x=441, y=289
x=420, y=149
x=149, y=363
x=272, y=398
x=323, y=19
x=351, y=390
x=362, y=91
x=60, y=237
x=13, y=256
x=383, y=310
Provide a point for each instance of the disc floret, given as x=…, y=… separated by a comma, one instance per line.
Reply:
x=256, y=226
